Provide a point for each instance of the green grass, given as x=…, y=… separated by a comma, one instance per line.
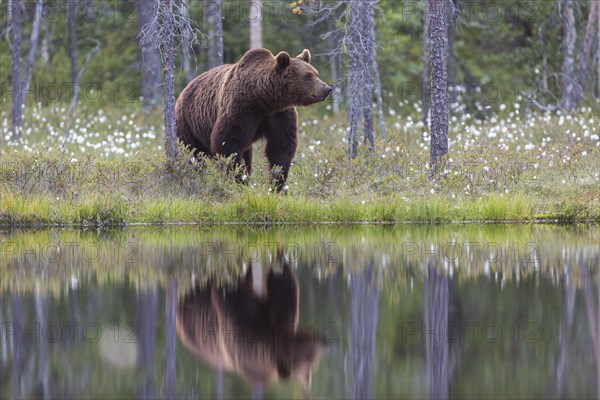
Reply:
x=270, y=209
x=113, y=173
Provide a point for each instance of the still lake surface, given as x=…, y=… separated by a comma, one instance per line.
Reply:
x=451, y=311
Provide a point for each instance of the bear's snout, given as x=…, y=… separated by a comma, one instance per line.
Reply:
x=326, y=91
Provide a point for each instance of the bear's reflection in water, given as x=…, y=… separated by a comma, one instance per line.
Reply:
x=255, y=336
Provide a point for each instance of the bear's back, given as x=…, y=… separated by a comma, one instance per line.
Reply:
x=197, y=107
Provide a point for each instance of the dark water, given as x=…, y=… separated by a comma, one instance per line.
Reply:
x=323, y=312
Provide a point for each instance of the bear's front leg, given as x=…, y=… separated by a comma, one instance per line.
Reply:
x=281, y=131
x=248, y=160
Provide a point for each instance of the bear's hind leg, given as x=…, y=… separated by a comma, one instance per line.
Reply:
x=198, y=150
x=230, y=136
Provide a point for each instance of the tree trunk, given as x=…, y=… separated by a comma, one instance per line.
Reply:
x=588, y=41
x=72, y=11
x=438, y=39
x=169, y=54
x=569, y=80
x=212, y=37
x=425, y=76
x=380, y=113
x=45, y=47
x=335, y=98
x=378, y=96
x=150, y=58
x=353, y=111
x=219, y=30
x=355, y=74
x=35, y=35
x=360, y=89
x=542, y=39
x=186, y=38
x=255, y=16
x=366, y=65
x=17, y=94
x=335, y=72
x=215, y=33
x=452, y=95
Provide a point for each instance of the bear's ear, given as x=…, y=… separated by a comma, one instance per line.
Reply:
x=304, y=56
x=283, y=59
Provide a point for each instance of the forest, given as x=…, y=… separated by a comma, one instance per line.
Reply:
x=428, y=229
x=464, y=102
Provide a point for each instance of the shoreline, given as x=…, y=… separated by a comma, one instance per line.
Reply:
x=17, y=212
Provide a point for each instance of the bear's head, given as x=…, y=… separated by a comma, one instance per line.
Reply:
x=300, y=80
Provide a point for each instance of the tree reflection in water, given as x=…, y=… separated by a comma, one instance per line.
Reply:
x=435, y=313
x=17, y=318
x=564, y=352
x=592, y=311
x=171, y=307
x=364, y=312
x=147, y=316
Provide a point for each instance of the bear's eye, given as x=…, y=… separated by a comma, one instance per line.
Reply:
x=308, y=77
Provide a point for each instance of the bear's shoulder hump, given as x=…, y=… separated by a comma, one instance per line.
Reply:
x=254, y=55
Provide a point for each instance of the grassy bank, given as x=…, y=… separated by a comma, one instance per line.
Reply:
x=507, y=167
x=105, y=203
x=263, y=208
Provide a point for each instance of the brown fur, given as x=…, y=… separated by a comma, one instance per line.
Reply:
x=257, y=338
x=228, y=108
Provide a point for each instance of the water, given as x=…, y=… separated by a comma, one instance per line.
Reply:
x=461, y=311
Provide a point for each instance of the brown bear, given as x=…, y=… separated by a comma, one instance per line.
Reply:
x=256, y=337
x=228, y=108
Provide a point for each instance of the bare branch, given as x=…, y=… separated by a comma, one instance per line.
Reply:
x=156, y=32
